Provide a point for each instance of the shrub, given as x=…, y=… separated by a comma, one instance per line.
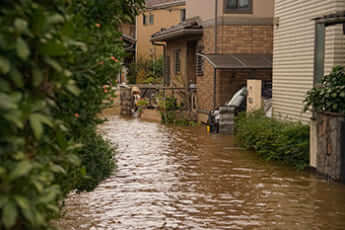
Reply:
x=146, y=71
x=55, y=58
x=329, y=95
x=287, y=142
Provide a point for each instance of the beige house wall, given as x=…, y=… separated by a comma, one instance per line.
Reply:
x=205, y=9
x=293, y=55
x=128, y=29
x=163, y=18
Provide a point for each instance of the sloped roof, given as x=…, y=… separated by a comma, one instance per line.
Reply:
x=239, y=61
x=163, y=3
x=186, y=28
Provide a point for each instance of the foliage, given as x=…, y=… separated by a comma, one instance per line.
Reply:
x=55, y=58
x=287, y=142
x=146, y=71
x=329, y=95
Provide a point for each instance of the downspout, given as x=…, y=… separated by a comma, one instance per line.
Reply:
x=215, y=52
x=164, y=59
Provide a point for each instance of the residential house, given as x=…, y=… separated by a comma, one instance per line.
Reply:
x=128, y=38
x=293, y=56
x=158, y=14
x=304, y=50
x=222, y=44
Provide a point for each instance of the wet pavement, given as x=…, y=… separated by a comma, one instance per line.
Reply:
x=184, y=178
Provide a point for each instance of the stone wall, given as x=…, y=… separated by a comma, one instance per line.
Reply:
x=331, y=146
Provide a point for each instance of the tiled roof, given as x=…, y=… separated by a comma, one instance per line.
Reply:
x=189, y=27
x=157, y=3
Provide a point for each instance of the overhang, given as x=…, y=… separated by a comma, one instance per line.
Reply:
x=190, y=27
x=239, y=61
x=331, y=19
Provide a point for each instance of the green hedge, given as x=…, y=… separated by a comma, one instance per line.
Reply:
x=58, y=61
x=286, y=142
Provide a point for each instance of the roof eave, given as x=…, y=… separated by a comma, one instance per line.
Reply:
x=177, y=34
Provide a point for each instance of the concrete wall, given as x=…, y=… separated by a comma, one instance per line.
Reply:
x=254, y=98
x=163, y=18
x=294, y=53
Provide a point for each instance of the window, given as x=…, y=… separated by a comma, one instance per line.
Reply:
x=199, y=65
x=144, y=19
x=238, y=6
x=178, y=61
x=151, y=19
x=183, y=15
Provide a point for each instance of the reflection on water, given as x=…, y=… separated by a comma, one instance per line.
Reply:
x=183, y=178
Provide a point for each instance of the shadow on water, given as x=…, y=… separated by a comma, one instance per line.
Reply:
x=184, y=178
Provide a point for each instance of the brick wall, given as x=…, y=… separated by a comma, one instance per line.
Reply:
x=249, y=39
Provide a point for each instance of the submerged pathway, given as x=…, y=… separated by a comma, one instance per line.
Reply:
x=183, y=178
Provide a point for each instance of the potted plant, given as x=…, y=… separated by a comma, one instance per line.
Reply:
x=327, y=101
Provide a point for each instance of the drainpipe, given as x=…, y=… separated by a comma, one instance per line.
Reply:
x=215, y=52
x=164, y=59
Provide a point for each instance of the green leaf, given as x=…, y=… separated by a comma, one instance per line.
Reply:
x=56, y=18
x=57, y=169
x=37, y=77
x=38, y=185
x=23, y=50
x=22, y=169
x=9, y=215
x=17, y=78
x=3, y=201
x=342, y=94
x=54, y=64
x=4, y=65
x=36, y=126
x=7, y=102
x=20, y=25
x=73, y=89
x=22, y=202
x=52, y=48
x=73, y=159
x=15, y=116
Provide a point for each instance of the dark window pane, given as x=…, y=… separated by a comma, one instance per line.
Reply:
x=144, y=19
x=183, y=15
x=232, y=4
x=243, y=3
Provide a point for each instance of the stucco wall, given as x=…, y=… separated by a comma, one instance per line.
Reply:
x=205, y=9
x=163, y=18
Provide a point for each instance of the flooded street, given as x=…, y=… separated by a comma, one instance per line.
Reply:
x=184, y=178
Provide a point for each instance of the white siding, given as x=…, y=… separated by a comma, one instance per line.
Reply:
x=293, y=54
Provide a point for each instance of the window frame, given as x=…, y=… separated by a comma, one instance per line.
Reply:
x=177, y=63
x=183, y=15
x=151, y=19
x=248, y=10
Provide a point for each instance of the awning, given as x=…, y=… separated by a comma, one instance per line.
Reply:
x=239, y=61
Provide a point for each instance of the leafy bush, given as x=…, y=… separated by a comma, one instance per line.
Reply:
x=146, y=71
x=329, y=95
x=287, y=142
x=55, y=59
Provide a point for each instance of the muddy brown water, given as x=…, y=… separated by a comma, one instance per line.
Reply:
x=184, y=178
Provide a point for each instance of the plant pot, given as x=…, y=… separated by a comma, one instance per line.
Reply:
x=331, y=145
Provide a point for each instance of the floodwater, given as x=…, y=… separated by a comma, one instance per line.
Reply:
x=183, y=178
